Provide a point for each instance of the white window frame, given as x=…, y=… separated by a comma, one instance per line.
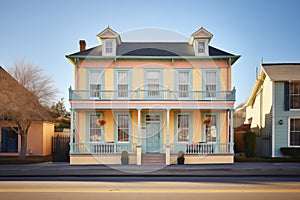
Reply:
x=128, y=127
x=181, y=93
x=123, y=94
x=205, y=47
x=156, y=83
x=109, y=49
x=186, y=128
x=98, y=83
x=92, y=120
x=289, y=131
x=209, y=92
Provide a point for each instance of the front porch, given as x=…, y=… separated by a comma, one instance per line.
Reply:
x=151, y=127
x=110, y=153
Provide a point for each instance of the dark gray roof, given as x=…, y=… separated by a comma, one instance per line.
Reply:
x=172, y=49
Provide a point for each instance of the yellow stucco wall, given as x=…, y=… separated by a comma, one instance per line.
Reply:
x=197, y=79
x=137, y=77
x=39, y=140
x=48, y=132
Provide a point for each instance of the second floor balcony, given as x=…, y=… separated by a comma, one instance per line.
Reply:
x=158, y=95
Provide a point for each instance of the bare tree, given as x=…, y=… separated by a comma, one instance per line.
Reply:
x=35, y=80
x=19, y=108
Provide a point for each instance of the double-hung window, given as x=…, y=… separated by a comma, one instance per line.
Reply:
x=201, y=47
x=122, y=84
x=183, y=127
x=294, y=132
x=183, y=84
x=153, y=80
x=95, y=83
x=123, y=127
x=295, y=95
x=211, y=84
x=108, y=47
x=95, y=129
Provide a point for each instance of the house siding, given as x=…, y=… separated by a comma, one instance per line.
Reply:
x=281, y=131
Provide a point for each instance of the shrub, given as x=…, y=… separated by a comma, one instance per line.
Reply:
x=249, y=139
x=180, y=154
x=124, y=154
x=290, y=151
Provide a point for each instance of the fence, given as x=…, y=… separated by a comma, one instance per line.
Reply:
x=60, y=148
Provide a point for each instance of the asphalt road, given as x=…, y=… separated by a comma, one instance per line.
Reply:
x=151, y=188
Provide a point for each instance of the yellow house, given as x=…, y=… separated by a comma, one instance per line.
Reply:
x=41, y=129
x=152, y=99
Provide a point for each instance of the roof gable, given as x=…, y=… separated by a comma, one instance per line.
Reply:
x=109, y=33
x=200, y=33
x=13, y=94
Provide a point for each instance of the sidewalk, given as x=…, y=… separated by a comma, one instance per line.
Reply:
x=237, y=169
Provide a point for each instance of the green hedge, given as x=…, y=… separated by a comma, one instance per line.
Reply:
x=290, y=151
x=249, y=139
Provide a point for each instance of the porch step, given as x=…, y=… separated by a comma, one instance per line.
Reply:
x=153, y=159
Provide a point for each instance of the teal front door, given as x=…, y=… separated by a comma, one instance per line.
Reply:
x=153, y=137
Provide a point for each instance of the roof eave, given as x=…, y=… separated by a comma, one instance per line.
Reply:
x=233, y=58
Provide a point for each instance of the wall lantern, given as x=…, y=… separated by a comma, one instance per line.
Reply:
x=280, y=122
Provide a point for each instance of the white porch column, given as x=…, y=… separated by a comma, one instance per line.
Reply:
x=168, y=138
x=231, y=132
x=139, y=146
x=71, y=131
x=139, y=127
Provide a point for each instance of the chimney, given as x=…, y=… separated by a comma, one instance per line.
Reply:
x=82, y=45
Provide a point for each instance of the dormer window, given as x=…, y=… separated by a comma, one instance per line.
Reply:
x=108, y=47
x=201, y=47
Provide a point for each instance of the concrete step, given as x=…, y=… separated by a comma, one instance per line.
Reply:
x=153, y=159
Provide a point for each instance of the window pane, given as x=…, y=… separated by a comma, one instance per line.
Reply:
x=201, y=48
x=295, y=132
x=211, y=78
x=295, y=95
x=108, y=47
x=122, y=77
x=123, y=84
x=211, y=128
x=153, y=83
x=123, y=127
x=183, y=77
x=95, y=77
x=183, y=128
x=95, y=130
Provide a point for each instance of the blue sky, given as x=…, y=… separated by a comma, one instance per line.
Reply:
x=43, y=32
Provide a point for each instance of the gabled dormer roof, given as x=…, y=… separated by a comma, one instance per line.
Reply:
x=109, y=33
x=201, y=33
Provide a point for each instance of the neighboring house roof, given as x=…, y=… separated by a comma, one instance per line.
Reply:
x=172, y=49
x=282, y=71
x=276, y=72
x=15, y=96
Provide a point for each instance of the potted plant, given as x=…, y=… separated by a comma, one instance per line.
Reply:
x=124, y=158
x=180, y=158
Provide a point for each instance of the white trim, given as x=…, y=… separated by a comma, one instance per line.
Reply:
x=113, y=53
x=289, y=129
x=273, y=119
x=196, y=43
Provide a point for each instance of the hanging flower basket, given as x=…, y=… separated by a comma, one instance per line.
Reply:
x=206, y=121
x=101, y=122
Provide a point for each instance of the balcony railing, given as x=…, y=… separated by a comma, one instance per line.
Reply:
x=102, y=148
x=203, y=148
x=98, y=95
